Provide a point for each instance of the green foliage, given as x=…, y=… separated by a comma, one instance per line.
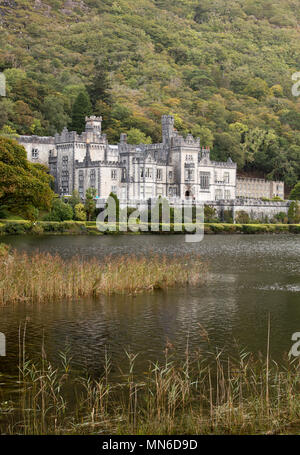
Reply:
x=60, y=211
x=136, y=136
x=90, y=204
x=294, y=213
x=113, y=210
x=80, y=214
x=24, y=186
x=295, y=193
x=228, y=216
x=224, y=67
x=81, y=108
x=242, y=217
x=210, y=214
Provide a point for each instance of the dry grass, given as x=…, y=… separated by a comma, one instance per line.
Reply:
x=204, y=394
x=42, y=277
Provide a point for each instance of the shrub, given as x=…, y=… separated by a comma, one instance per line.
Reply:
x=60, y=211
x=228, y=216
x=80, y=214
x=242, y=217
x=254, y=228
x=17, y=227
x=294, y=228
x=37, y=229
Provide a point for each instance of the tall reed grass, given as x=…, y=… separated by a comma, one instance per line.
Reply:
x=202, y=394
x=42, y=277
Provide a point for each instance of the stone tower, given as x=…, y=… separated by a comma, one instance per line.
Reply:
x=93, y=126
x=167, y=128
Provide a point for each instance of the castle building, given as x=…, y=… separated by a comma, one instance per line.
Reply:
x=176, y=168
x=248, y=187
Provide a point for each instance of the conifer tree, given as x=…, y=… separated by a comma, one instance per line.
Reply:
x=81, y=108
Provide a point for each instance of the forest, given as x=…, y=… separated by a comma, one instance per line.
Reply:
x=223, y=68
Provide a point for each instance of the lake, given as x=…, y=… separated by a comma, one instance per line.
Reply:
x=249, y=277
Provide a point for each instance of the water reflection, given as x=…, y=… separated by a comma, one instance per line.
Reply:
x=249, y=277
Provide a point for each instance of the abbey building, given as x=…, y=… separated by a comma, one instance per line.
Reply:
x=175, y=168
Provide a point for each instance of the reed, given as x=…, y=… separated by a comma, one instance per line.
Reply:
x=203, y=394
x=42, y=277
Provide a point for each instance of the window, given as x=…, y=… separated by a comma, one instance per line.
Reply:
x=81, y=183
x=227, y=194
x=226, y=177
x=93, y=178
x=188, y=157
x=114, y=189
x=34, y=154
x=114, y=174
x=204, y=180
x=142, y=173
x=219, y=194
x=170, y=175
x=189, y=174
x=158, y=174
x=149, y=172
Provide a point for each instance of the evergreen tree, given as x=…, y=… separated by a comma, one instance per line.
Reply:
x=99, y=89
x=295, y=193
x=81, y=108
x=90, y=204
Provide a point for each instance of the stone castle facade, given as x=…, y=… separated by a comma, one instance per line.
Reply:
x=177, y=168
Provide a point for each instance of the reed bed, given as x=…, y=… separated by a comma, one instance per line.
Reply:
x=42, y=277
x=203, y=394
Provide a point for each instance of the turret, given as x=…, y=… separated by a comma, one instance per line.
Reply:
x=167, y=122
x=93, y=127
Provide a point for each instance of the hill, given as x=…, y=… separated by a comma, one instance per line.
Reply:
x=223, y=67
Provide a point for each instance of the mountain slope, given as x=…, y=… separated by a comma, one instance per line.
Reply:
x=223, y=67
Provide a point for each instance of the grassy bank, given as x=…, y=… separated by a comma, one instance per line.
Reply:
x=43, y=277
x=203, y=394
x=18, y=227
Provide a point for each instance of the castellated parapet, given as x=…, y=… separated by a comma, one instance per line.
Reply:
x=177, y=168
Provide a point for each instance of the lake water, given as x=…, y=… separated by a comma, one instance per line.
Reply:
x=249, y=278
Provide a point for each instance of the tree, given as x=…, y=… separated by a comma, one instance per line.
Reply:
x=116, y=209
x=80, y=214
x=90, y=204
x=210, y=214
x=81, y=108
x=294, y=213
x=60, y=211
x=242, y=217
x=136, y=136
x=74, y=199
x=295, y=193
x=23, y=185
x=100, y=86
x=54, y=112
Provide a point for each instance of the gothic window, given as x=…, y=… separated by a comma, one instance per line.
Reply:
x=93, y=178
x=170, y=175
x=81, y=183
x=226, y=177
x=158, y=174
x=34, y=154
x=219, y=194
x=142, y=173
x=189, y=174
x=114, y=174
x=149, y=172
x=204, y=180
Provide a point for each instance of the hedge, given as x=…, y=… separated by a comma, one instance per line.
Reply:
x=18, y=227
